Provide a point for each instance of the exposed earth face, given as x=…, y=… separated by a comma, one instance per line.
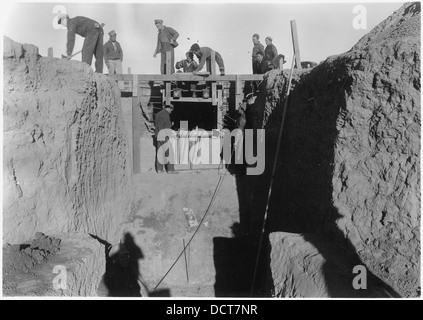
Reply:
x=346, y=191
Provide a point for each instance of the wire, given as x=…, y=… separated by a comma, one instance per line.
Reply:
x=216, y=191
x=272, y=178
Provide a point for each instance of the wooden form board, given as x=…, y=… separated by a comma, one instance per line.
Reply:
x=295, y=44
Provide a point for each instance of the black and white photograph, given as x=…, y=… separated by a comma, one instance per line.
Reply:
x=208, y=150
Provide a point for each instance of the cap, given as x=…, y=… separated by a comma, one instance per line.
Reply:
x=158, y=21
x=269, y=38
x=62, y=16
x=256, y=35
x=112, y=33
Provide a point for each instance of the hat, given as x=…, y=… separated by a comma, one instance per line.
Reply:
x=269, y=38
x=112, y=33
x=62, y=16
x=158, y=21
x=256, y=35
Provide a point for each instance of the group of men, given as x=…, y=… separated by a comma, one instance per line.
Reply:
x=263, y=59
x=166, y=42
x=92, y=32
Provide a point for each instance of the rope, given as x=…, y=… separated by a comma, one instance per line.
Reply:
x=272, y=178
x=216, y=191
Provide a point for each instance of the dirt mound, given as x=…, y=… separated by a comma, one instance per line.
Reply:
x=22, y=257
x=66, y=162
x=350, y=155
x=67, y=264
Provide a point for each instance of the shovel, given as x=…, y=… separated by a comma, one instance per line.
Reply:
x=64, y=57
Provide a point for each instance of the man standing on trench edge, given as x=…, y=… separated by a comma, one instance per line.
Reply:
x=162, y=121
x=89, y=29
x=166, y=42
x=113, y=54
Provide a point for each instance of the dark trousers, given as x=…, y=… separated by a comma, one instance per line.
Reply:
x=93, y=45
x=255, y=68
x=165, y=48
x=219, y=62
x=160, y=166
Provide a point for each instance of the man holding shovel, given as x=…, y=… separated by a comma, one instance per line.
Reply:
x=92, y=31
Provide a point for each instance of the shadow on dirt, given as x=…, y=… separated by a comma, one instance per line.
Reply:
x=122, y=277
x=301, y=200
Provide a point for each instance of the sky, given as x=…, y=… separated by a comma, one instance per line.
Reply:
x=324, y=29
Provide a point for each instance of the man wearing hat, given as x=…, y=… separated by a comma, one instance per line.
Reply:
x=258, y=47
x=162, y=122
x=271, y=54
x=89, y=29
x=204, y=55
x=166, y=42
x=113, y=54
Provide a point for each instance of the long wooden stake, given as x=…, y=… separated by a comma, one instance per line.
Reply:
x=185, y=256
x=272, y=178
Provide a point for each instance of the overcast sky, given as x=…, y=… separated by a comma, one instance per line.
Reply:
x=323, y=29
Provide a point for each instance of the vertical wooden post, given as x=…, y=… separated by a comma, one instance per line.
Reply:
x=168, y=71
x=214, y=93
x=136, y=134
x=213, y=71
x=219, y=111
x=50, y=52
x=295, y=44
x=213, y=63
x=129, y=70
x=238, y=92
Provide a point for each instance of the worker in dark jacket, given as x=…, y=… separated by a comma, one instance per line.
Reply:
x=270, y=52
x=162, y=121
x=204, y=55
x=187, y=65
x=271, y=55
x=258, y=47
x=113, y=54
x=261, y=65
x=166, y=42
x=92, y=31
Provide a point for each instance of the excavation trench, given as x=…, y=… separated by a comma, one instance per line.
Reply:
x=346, y=190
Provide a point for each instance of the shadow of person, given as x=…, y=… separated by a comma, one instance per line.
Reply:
x=301, y=198
x=341, y=259
x=121, y=278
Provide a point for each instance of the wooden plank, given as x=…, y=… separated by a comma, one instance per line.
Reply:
x=136, y=135
x=238, y=92
x=214, y=93
x=213, y=63
x=187, y=77
x=190, y=99
x=135, y=85
x=219, y=110
x=168, y=72
x=295, y=44
x=50, y=52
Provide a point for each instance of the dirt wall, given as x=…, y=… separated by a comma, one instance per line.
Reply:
x=350, y=159
x=66, y=165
